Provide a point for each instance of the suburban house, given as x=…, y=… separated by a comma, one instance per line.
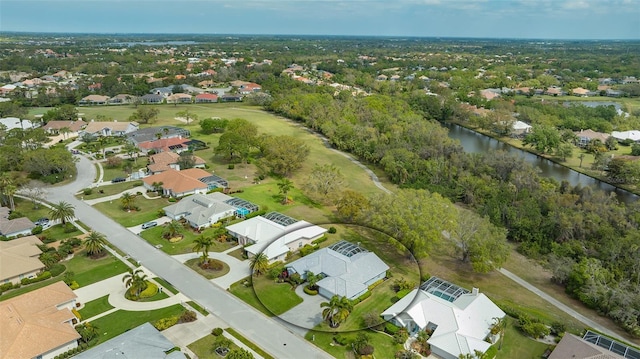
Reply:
x=586, y=136
x=179, y=98
x=55, y=127
x=206, y=98
x=632, y=135
x=11, y=123
x=201, y=211
x=152, y=98
x=274, y=234
x=582, y=92
x=144, y=341
x=151, y=134
x=554, y=91
x=94, y=100
x=181, y=183
x=109, y=128
x=230, y=98
x=39, y=324
x=520, y=128
x=162, y=91
x=163, y=161
x=490, y=94
x=122, y=99
x=460, y=321
x=14, y=227
x=174, y=144
x=347, y=269
x=19, y=259
x=590, y=346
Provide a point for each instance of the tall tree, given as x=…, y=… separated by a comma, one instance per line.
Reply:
x=172, y=229
x=284, y=186
x=351, y=205
x=144, y=114
x=202, y=244
x=94, y=243
x=188, y=116
x=325, y=182
x=237, y=141
x=132, y=151
x=136, y=281
x=62, y=211
x=128, y=201
x=282, y=155
x=8, y=189
x=259, y=264
x=336, y=310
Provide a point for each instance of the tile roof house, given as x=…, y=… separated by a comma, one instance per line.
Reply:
x=143, y=341
x=460, y=321
x=38, y=324
x=54, y=127
x=122, y=99
x=109, y=128
x=586, y=136
x=206, y=98
x=179, y=183
x=173, y=144
x=348, y=269
x=573, y=347
x=179, y=98
x=94, y=100
x=19, y=259
x=152, y=98
x=16, y=226
x=201, y=211
x=163, y=161
x=266, y=234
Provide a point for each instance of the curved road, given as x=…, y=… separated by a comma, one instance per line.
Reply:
x=265, y=332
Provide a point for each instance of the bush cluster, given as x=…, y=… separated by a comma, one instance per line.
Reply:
x=391, y=328
x=42, y=276
x=150, y=291
x=364, y=296
x=332, y=230
x=307, y=249
x=320, y=240
x=341, y=339
x=166, y=323
x=188, y=316
x=310, y=291
x=216, y=332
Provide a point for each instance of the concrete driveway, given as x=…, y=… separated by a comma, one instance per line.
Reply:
x=237, y=269
x=138, y=228
x=305, y=315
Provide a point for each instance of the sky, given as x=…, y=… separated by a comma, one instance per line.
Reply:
x=528, y=19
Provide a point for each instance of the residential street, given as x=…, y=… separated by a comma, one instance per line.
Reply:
x=268, y=334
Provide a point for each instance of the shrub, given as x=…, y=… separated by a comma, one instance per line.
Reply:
x=274, y=272
x=307, y=249
x=310, y=291
x=319, y=240
x=36, y=230
x=332, y=230
x=391, y=328
x=76, y=313
x=340, y=339
x=231, y=166
x=69, y=227
x=361, y=298
x=255, y=214
x=171, y=199
x=401, y=336
x=57, y=269
x=216, y=332
x=402, y=284
x=165, y=323
x=403, y=293
x=87, y=191
x=74, y=285
x=150, y=291
x=188, y=316
x=558, y=328
x=376, y=283
x=366, y=350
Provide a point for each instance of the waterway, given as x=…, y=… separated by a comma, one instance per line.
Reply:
x=474, y=142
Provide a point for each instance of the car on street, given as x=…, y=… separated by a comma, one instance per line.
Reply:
x=118, y=179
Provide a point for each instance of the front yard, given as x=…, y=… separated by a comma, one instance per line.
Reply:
x=88, y=271
x=149, y=210
x=185, y=245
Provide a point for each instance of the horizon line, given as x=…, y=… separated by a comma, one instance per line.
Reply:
x=310, y=35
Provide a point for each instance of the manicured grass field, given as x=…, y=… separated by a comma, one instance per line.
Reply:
x=95, y=307
x=26, y=208
x=204, y=347
x=57, y=232
x=197, y=307
x=276, y=297
x=154, y=237
x=148, y=211
x=247, y=295
x=249, y=344
x=209, y=274
x=517, y=345
x=88, y=271
x=110, y=190
x=120, y=321
x=383, y=344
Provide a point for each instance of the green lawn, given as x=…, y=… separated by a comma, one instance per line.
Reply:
x=209, y=274
x=88, y=271
x=57, y=233
x=517, y=345
x=110, y=190
x=26, y=208
x=154, y=237
x=249, y=344
x=120, y=321
x=148, y=211
x=166, y=285
x=95, y=307
x=276, y=297
x=246, y=293
x=383, y=344
x=198, y=307
x=204, y=347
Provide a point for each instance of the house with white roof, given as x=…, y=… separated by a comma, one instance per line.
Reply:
x=13, y=122
x=201, y=211
x=347, y=269
x=459, y=320
x=274, y=234
x=633, y=135
x=520, y=128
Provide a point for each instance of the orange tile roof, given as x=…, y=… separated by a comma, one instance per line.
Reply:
x=161, y=161
x=178, y=181
x=31, y=324
x=19, y=256
x=164, y=143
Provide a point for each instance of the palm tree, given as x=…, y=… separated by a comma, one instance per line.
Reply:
x=259, y=263
x=165, y=131
x=202, y=244
x=312, y=280
x=62, y=211
x=336, y=310
x=128, y=200
x=94, y=243
x=65, y=131
x=172, y=229
x=8, y=189
x=136, y=281
x=130, y=149
x=159, y=135
x=285, y=185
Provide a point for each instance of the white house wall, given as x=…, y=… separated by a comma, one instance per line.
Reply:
x=59, y=350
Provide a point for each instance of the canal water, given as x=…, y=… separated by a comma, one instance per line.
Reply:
x=474, y=142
